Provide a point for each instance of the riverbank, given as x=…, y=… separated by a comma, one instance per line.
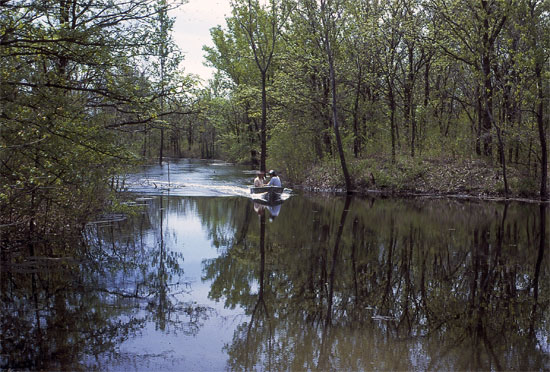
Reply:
x=471, y=178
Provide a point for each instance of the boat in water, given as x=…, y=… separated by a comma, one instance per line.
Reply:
x=269, y=194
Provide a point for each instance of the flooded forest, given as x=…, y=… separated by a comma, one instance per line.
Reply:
x=202, y=277
x=411, y=138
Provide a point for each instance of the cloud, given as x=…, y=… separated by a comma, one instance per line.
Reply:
x=193, y=22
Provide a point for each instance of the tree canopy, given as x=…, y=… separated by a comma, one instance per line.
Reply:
x=78, y=82
x=406, y=81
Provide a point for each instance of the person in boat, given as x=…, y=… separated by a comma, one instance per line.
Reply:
x=275, y=180
x=259, y=180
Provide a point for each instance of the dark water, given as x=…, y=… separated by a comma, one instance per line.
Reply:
x=200, y=278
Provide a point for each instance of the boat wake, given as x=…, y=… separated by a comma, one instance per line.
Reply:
x=156, y=187
x=193, y=178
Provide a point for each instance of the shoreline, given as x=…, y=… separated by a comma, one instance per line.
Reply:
x=434, y=195
x=465, y=179
x=427, y=173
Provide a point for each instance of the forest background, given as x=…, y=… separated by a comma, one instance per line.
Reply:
x=415, y=96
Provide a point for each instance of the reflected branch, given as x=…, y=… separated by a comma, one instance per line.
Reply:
x=335, y=253
x=535, y=284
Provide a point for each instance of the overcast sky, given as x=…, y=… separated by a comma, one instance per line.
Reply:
x=193, y=22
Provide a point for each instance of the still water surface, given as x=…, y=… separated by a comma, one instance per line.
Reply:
x=201, y=278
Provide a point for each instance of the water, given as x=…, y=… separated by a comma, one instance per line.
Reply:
x=193, y=178
x=201, y=278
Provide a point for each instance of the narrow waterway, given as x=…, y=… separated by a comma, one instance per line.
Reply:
x=199, y=277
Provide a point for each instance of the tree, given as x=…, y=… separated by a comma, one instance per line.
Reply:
x=390, y=39
x=69, y=93
x=433, y=79
x=165, y=24
x=262, y=27
x=235, y=82
x=538, y=26
x=473, y=29
x=330, y=13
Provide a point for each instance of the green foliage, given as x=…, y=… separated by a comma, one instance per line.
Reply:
x=71, y=99
x=232, y=149
x=421, y=79
x=231, y=54
x=290, y=151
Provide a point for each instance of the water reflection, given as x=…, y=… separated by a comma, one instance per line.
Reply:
x=74, y=313
x=400, y=285
x=318, y=283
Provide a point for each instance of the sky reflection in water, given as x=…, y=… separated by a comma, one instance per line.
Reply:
x=208, y=283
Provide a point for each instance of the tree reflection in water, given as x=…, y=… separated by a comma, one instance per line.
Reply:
x=331, y=283
x=384, y=284
x=74, y=311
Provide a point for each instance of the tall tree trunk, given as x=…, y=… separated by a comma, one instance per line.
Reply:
x=145, y=135
x=330, y=28
x=335, y=119
x=502, y=160
x=356, y=135
x=409, y=103
x=424, y=118
x=540, y=59
x=542, y=134
x=262, y=41
x=161, y=146
x=163, y=55
x=487, y=84
x=501, y=150
x=488, y=109
x=479, y=109
x=263, y=130
x=489, y=37
x=64, y=8
x=391, y=99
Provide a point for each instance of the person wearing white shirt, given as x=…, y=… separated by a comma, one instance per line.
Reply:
x=259, y=180
x=275, y=180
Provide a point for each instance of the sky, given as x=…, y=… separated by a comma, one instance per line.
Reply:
x=193, y=22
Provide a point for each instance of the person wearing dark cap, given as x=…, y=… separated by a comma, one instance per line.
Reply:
x=275, y=180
